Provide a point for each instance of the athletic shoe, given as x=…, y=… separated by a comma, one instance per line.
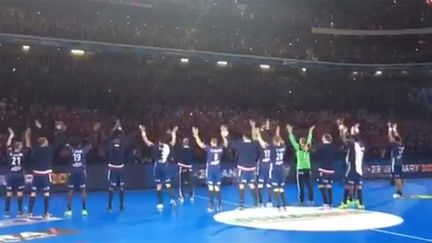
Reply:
x=210, y=209
x=343, y=206
x=68, y=213
x=84, y=212
x=6, y=215
x=219, y=208
x=181, y=199
x=46, y=215
x=241, y=207
x=361, y=207
x=397, y=196
x=173, y=203
x=310, y=203
x=20, y=215
x=192, y=199
x=269, y=204
x=355, y=203
x=260, y=205
x=160, y=206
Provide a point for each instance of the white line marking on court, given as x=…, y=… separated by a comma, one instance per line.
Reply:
x=375, y=230
x=401, y=235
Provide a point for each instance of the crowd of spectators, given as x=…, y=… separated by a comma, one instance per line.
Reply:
x=276, y=28
x=161, y=93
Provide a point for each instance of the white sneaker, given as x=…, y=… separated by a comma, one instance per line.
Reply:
x=160, y=206
x=192, y=199
x=210, y=209
x=397, y=196
x=181, y=199
x=173, y=202
x=269, y=204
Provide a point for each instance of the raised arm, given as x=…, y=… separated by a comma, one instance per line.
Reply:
x=10, y=138
x=392, y=132
x=310, y=134
x=343, y=131
x=253, y=130
x=224, y=134
x=28, y=138
x=292, y=137
x=198, y=140
x=174, y=136
x=144, y=136
x=262, y=143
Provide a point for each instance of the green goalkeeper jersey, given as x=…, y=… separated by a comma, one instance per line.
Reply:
x=303, y=157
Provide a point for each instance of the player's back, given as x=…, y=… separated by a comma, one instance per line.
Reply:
x=42, y=158
x=327, y=156
x=162, y=152
x=214, y=155
x=116, y=154
x=15, y=160
x=278, y=154
x=247, y=153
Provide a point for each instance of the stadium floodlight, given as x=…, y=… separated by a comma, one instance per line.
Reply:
x=222, y=63
x=304, y=69
x=77, y=52
x=184, y=60
x=265, y=66
x=25, y=48
x=378, y=73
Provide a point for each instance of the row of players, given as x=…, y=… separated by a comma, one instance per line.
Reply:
x=257, y=145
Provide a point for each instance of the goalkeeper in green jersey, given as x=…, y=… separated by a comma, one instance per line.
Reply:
x=304, y=174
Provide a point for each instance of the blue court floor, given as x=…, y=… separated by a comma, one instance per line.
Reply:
x=190, y=222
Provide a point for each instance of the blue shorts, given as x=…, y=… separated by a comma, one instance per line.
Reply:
x=214, y=176
x=161, y=173
x=246, y=176
x=15, y=183
x=264, y=176
x=397, y=171
x=354, y=178
x=325, y=179
x=277, y=177
x=41, y=182
x=77, y=180
x=115, y=177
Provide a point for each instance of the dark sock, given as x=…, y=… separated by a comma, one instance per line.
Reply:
x=171, y=192
x=360, y=196
x=345, y=196
x=276, y=198
x=242, y=196
x=399, y=192
x=219, y=197
x=31, y=204
x=159, y=196
x=7, y=204
x=110, y=198
x=20, y=204
x=260, y=195
x=282, y=196
x=69, y=207
x=254, y=196
x=269, y=191
x=212, y=194
x=324, y=195
x=84, y=200
x=122, y=198
x=46, y=204
x=330, y=196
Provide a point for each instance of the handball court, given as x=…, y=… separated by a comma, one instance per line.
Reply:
x=190, y=221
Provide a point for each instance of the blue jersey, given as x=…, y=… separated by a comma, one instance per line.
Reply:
x=247, y=153
x=162, y=152
x=214, y=155
x=278, y=155
x=42, y=159
x=116, y=155
x=79, y=158
x=396, y=153
x=264, y=155
x=15, y=160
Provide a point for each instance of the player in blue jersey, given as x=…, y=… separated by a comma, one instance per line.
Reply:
x=247, y=151
x=355, y=151
x=15, y=182
x=277, y=154
x=42, y=155
x=213, y=174
x=77, y=178
x=326, y=154
x=162, y=151
x=116, y=156
x=264, y=162
x=396, y=155
x=184, y=157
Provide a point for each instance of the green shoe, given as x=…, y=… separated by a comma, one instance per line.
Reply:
x=68, y=213
x=361, y=207
x=355, y=204
x=343, y=206
x=84, y=212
